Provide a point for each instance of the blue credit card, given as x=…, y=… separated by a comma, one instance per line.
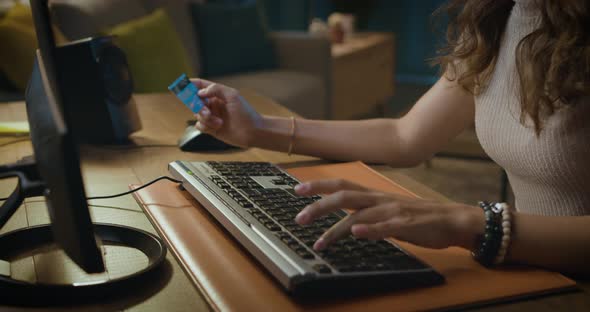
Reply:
x=186, y=91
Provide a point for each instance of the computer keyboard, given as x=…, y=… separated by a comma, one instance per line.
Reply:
x=256, y=203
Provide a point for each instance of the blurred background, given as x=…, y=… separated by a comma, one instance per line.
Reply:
x=329, y=59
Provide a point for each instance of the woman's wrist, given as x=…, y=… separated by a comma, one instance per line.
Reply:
x=273, y=133
x=469, y=223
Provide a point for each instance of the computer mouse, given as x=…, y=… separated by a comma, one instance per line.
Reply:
x=194, y=140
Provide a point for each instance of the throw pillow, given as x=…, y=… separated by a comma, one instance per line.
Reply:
x=232, y=39
x=154, y=51
x=86, y=18
x=18, y=32
x=23, y=15
x=16, y=62
x=20, y=13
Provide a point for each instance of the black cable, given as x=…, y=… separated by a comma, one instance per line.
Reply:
x=135, y=190
x=115, y=207
x=128, y=192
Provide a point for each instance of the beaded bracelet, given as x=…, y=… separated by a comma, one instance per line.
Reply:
x=506, y=233
x=491, y=247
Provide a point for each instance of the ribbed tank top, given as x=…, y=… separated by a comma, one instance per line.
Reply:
x=550, y=173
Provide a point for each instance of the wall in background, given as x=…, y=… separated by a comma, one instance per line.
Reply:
x=416, y=38
x=288, y=14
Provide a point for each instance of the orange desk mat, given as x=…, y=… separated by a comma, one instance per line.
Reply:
x=231, y=280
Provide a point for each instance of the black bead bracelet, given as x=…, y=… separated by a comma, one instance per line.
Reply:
x=488, y=244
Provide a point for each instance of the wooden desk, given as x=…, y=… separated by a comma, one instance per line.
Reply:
x=111, y=170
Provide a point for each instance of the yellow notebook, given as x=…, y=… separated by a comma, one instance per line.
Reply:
x=14, y=128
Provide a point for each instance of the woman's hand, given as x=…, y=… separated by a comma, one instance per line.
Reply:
x=226, y=115
x=378, y=215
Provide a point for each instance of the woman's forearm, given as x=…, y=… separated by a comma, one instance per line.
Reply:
x=373, y=141
x=437, y=117
x=557, y=243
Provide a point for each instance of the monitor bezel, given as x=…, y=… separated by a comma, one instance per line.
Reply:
x=57, y=155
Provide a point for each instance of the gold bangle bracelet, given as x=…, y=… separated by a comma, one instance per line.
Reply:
x=292, y=137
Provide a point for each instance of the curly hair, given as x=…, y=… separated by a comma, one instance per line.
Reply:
x=552, y=62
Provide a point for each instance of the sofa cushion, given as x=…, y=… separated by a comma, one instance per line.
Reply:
x=154, y=51
x=232, y=39
x=17, y=62
x=20, y=13
x=18, y=33
x=86, y=18
x=180, y=14
x=300, y=92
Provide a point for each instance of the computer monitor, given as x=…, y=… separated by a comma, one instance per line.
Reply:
x=54, y=172
x=56, y=153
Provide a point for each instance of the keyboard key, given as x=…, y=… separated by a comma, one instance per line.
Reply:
x=278, y=208
x=272, y=226
x=308, y=241
x=303, y=253
x=245, y=204
x=344, y=268
x=322, y=268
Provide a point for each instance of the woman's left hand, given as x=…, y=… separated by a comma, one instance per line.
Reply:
x=378, y=215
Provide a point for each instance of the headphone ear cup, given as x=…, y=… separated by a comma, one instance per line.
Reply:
x=116, y=75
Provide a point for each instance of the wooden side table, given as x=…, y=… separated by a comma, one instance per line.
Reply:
x=362, y=74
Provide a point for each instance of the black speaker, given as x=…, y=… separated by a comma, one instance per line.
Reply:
x=97, y=91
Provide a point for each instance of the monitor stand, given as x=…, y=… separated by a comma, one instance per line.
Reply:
x=26, y=240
